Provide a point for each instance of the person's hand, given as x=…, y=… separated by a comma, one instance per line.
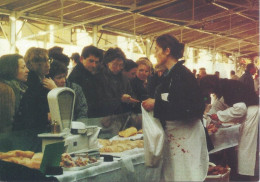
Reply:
x=148, y=104
x=49, y=83
x=128, y=99
x=207, y=108
x=214, y=117
x=49, y=117
x=106, y=122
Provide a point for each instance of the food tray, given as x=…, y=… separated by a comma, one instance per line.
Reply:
x=124, y=153
x=82, y=167
x=219, y=177
x=135, y=137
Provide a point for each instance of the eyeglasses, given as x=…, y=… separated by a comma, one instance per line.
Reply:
x=44, y=62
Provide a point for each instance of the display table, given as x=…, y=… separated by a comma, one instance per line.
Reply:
x=127, y=168
x=225, y=138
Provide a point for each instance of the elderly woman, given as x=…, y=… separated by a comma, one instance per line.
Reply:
x=34, y=108
x=58, y=72
x=179, y=106
x=117, y=89
x=13, y=74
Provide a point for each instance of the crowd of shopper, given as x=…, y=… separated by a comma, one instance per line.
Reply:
x=107, y=83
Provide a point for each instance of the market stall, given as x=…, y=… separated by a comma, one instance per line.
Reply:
x=129, y=167
x=125, y=149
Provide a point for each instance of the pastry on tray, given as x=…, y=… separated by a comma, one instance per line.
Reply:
x=16, y=153
x=26, y=158
x=140, y=131
x=68, y=161
x=117, y=146
x=128, y=132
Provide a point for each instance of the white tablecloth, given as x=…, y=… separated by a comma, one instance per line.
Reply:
x=129, y=168
x=225, y=138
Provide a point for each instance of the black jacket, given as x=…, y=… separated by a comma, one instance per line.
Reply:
x=114, y=86
x=153, y=82
x=248, y=80
x=140, y=93
x=33, y=110
x=185, y=102
x=139, y=90
x=91, y=88
x=32, y=116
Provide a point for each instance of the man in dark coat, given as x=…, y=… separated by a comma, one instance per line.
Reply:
x=86, y=75
x=247, y=78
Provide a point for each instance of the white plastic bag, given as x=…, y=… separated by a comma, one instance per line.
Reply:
x=153, y=139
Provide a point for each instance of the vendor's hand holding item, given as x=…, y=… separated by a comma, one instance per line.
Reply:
x=214, y=125
x=212, y=128
x=26, y=158
x=116, y=146
x=148, y=104
x=214, y=117
x=128, y=132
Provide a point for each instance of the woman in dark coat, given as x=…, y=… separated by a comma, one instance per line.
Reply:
x=117, y=90
x=179, y=106
x=33, y=112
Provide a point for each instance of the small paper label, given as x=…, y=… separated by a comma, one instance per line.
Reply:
x=164, y=96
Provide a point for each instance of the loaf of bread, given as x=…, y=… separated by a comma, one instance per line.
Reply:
x=16, y=153
x=26, y=158
x=128, y=132
x=121, y=145
x=104, y=142
x=4, y=155
x=140, y=131
x=36, y=160
x=27, y=154
x=113, y=148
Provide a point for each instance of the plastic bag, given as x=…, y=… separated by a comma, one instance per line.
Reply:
x=153, y=139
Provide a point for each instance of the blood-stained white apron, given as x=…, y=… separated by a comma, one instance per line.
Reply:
x=248, y=142
x=185, y=154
